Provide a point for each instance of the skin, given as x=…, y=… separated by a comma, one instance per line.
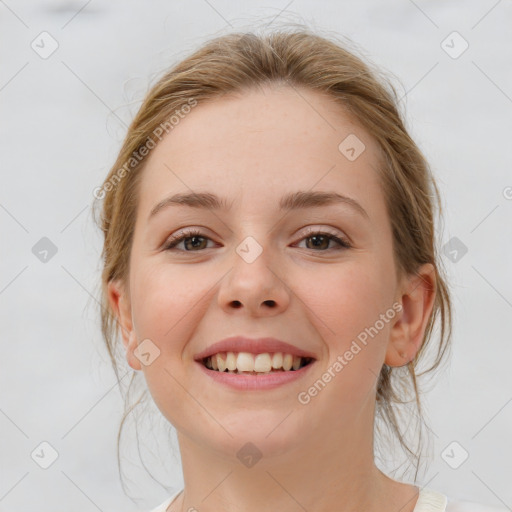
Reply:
x=252, y=149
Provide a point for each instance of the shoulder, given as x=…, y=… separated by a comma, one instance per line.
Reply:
x=431, y=500
x=469, y=506
x=163, y=506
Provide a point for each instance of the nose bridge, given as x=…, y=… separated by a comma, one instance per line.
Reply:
x=254, y=237
x=254, y=282
x=253, y=263
x=250, y=250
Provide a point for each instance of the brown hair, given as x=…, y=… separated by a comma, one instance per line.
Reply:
x=299, y=58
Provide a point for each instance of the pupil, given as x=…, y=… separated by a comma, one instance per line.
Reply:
x=316, y=239
x=195, y=241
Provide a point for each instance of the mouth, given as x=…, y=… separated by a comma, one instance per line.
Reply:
x=247, y=363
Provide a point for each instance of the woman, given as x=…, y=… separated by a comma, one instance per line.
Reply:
x=270, y=262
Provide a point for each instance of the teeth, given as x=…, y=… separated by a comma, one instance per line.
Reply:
x=262, y=363
x=287, y=362
x=244, y=362
x=277, y=360
x=221, y=362
x=231, y=361
x=240, y=362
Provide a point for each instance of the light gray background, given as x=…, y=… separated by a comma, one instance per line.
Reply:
x=62, y=122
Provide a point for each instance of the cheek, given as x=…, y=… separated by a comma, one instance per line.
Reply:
x=165, y=300
x=166, y=303
x=346, y=303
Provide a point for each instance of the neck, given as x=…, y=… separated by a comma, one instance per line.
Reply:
x=331, y=470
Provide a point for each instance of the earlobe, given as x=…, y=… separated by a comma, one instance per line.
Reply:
x=120, y=305
x=407, y=332
x=132, y=344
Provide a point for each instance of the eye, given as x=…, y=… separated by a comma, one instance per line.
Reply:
x=321, y=240
x=194, y=235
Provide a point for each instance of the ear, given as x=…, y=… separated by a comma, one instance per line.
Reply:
x=406, y=337
x=120, y=304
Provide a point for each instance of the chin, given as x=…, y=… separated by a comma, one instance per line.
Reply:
x=258, y=434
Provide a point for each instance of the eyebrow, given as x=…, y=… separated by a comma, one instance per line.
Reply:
x=293, y=201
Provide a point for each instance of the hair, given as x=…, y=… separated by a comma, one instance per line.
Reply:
x=240, y=61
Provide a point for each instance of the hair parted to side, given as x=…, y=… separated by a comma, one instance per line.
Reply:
x=298, y=58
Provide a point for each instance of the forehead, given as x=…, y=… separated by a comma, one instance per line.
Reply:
x=262, y=144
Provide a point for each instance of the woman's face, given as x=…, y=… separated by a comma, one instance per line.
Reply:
x=257, y=270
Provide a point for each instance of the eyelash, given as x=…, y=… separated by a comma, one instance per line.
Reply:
x=190, y=233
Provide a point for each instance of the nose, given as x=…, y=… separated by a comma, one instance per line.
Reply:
x=256, y=287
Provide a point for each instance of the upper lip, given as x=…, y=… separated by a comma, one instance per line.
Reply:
x=253, y=346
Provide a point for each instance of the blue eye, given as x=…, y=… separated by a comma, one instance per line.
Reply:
x=197, y=240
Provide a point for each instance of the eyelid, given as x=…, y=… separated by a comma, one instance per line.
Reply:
x=328, y=230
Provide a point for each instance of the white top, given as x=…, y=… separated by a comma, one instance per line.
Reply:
x=428, y=501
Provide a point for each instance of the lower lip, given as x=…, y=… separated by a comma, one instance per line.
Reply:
x=254, y=382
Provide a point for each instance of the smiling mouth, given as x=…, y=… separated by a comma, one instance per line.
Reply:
x=255, y=364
